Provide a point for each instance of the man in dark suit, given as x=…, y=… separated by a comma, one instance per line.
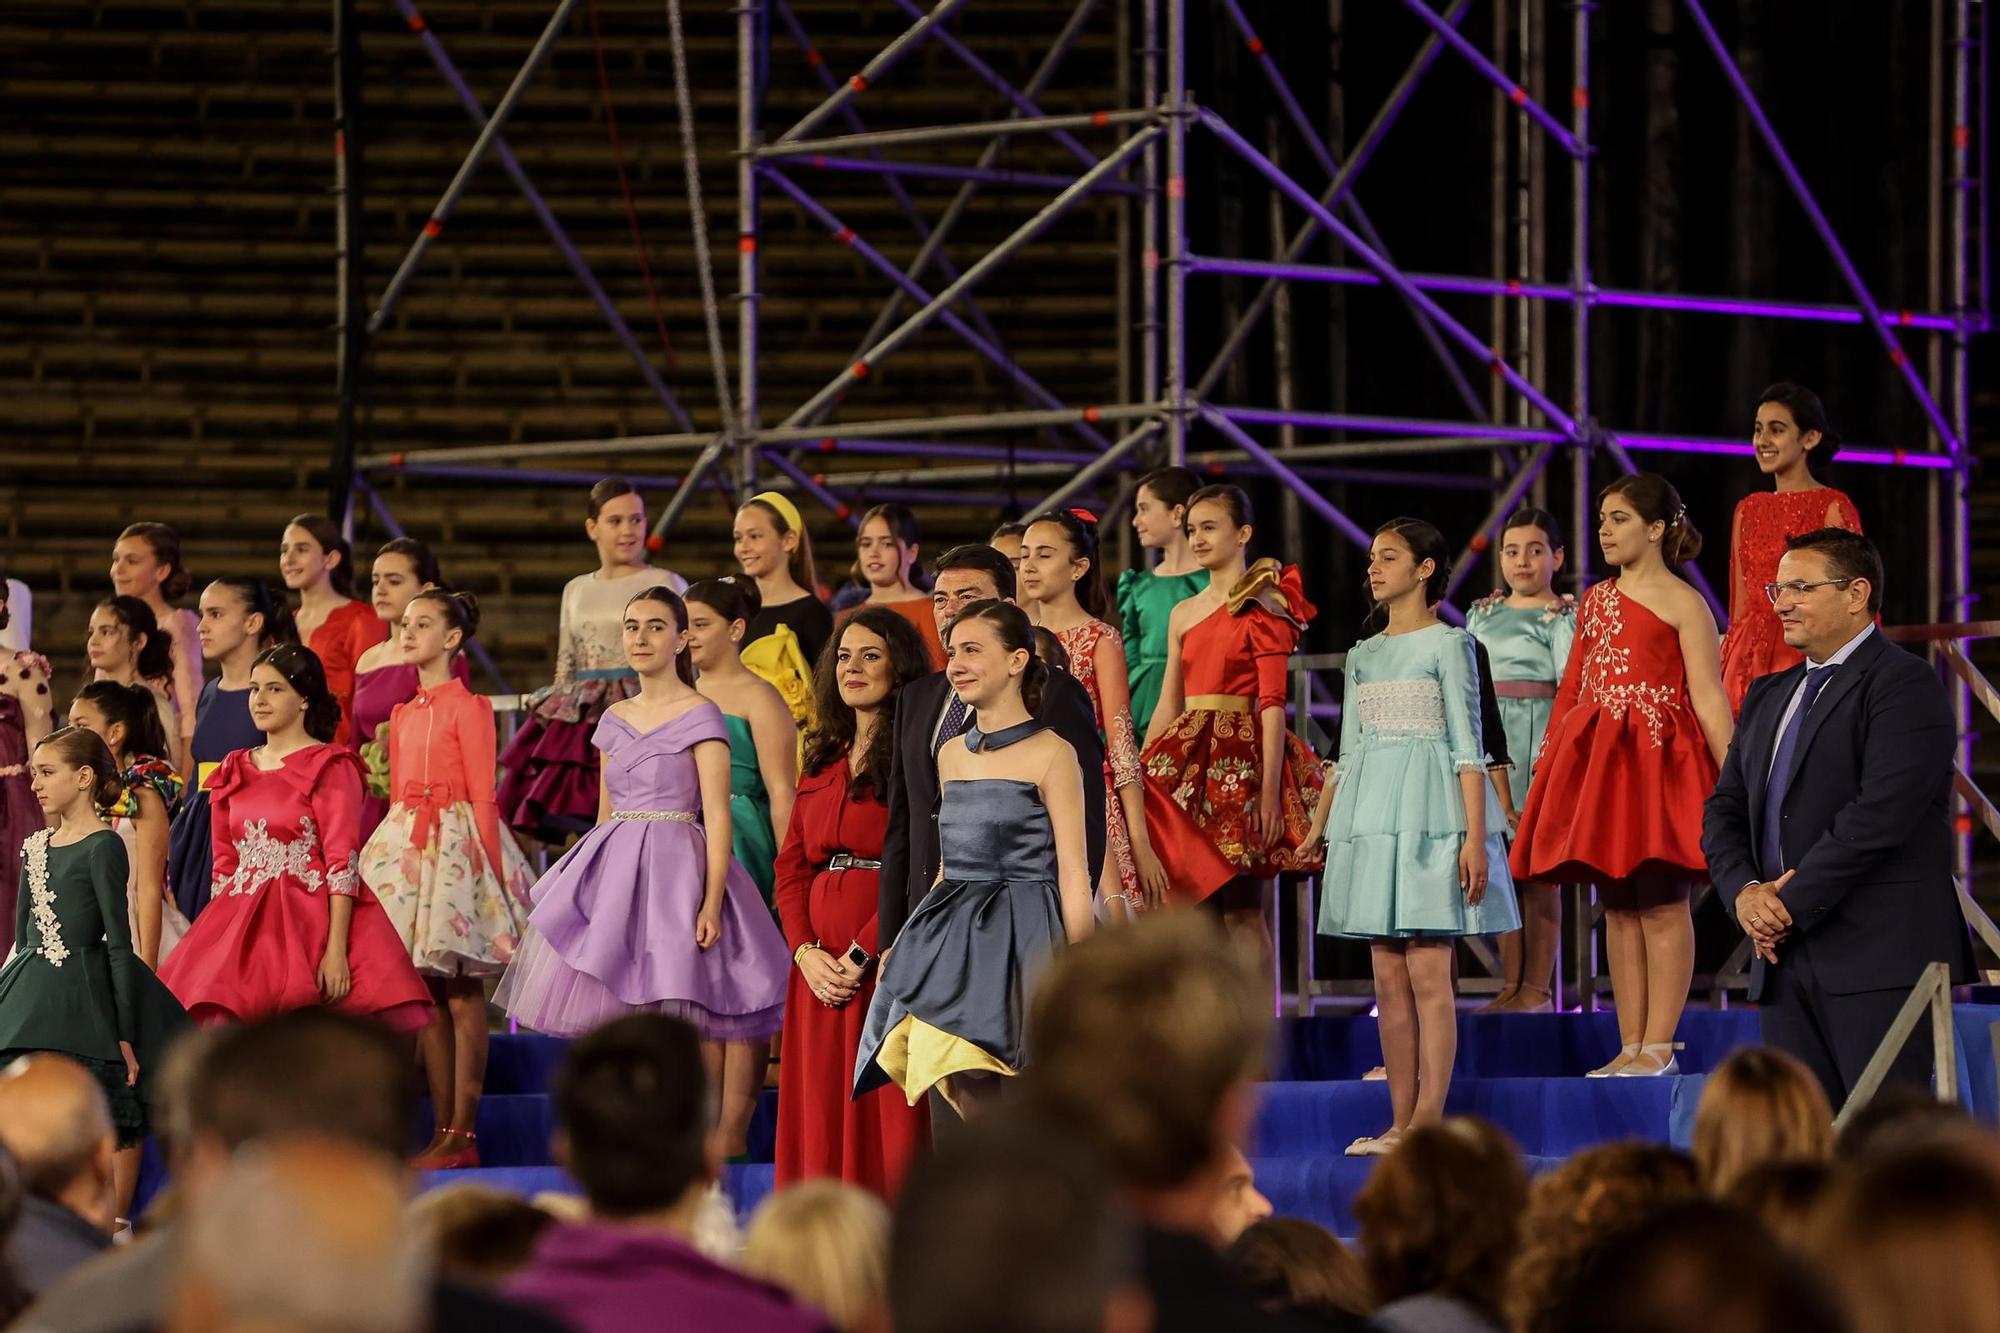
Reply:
x=1829, y=834
x=928, y=714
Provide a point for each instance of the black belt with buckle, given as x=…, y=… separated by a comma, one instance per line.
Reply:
x=843, y=861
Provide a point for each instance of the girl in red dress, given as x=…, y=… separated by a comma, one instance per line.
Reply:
x=1790, y=434
x=1229, y=791
x=291, y=924
x=1636, y=735
x=318, y=565
x=828, y=874
x=1062, y=585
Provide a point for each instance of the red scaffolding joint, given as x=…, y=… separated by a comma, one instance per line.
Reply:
x=1480, y=543
x=859, y=83
x=828, y=445
x=1896, y=358
x=1255, y=43
x=1150, y=261
x=416, y=22
x=1092, y=415
x=396, y=460
x=1899, y=455
x=1579, y=97
x=340, y=143
x=842, y=512
x=860, y=370
x=1962, y=825
x=814, y=58
x=656, y=544
x=1496, y=365
x=434, y=227
x=746, y=244
x=1176, y=187
x=1100, y=118
x=845, y=236
x=1517, y=95
x=1513, y=286
x=1961, y=137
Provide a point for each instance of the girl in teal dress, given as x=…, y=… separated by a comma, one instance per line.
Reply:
x=74, y=986
x=1146, y=597
x=1415, y=849
x=763, y=739
x=1527, y=632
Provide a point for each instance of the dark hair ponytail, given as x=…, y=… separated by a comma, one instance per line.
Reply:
x=1808, y=414
x=1011, y=626
x=1532, y=517
x=1656, y=501
x=734, y=597
x=1234, y=500
x=667, y=597
x=326, y=533
x=156, y=654
x=461, y=611
x=423, y=563
x=165, y=544
x=1171, y=486
x=1425, y=543
x=132, y=707
x=257, y=599
x=1080, y=530
x=301, y=669
x=80, y=747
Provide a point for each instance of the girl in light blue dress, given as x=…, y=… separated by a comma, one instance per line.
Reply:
x=1415, y=850
x=1527, y=631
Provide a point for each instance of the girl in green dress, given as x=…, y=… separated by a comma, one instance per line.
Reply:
x=1146, y=597
x=74, y=986
x=763, y=739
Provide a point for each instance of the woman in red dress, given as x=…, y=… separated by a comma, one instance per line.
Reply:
x=1637, y=732
x=1230, y=792
x=1791, y=432
x=291, y=924
x=827, y=879
x=318, y=564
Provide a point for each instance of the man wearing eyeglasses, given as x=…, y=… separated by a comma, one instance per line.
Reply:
x=1829, y=831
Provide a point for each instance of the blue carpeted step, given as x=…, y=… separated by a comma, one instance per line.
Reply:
x=1321, y=1189
x=514, y=1128
x=1547, y=1117
x=746, y=1184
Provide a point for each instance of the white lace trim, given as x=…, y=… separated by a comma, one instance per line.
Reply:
x=42, y=899
x=1402, y=709
x=261, y=858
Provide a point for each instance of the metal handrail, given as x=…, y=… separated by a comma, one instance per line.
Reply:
x=1932, y=992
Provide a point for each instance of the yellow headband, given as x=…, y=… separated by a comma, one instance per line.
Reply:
x=786, y=509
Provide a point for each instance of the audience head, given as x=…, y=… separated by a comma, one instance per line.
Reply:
x=1829, y=586
x=313, y=552
x=1642, y=511
x=827, y=1243
x=1441, y=1213
x=55, y=1121
x=1220, y=524
x=656, y=636
x=125, y=640
x=126, y=716
x=1050, y=649
x=1147, y=1042
x=1759, y=1105
x=14, y=1295
x=288, y=685
x=146, y=562
x=770, y=536
x=73, y=764
x=1006, y=539
x=1531, y=551
x=1159, y=506
x=1899, y=1115
x=1059, y=551
x=888, y=549
x=632, y=1116
x=719, y=616
x=1239, y=1204
x=403, y=568
x=1791, y=428
x=1291, y=1264
x=308, y=1236
x=990, y=650
x=1003, y=1199
x=873, y=655
x=616, y=523
x=968, y=574
x=1696, y=1266
x=479, y=1236
x=1784, y=1196
x=237, y=612
x=1910, y=1238
x=1575, y=1208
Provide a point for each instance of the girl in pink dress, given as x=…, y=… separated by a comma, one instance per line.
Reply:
x=1060, y=578
x=318, y=565
x=146, y=563
x=1791, y=434
x=291, y=924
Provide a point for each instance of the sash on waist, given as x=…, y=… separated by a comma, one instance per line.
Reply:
x=1217, y=703
x=1524, y=689
x=678, y=816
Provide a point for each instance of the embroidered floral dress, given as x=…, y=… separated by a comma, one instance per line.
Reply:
x=1203, y=774
x=75, y=987
x=146, y=773
x=1409, y=726
x=448, y=876
x=285, y=843
x=24, y=713
x=1121, y=752
x=1754, y=645
x=1625, y=767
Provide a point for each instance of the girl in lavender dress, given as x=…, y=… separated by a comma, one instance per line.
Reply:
x=648, y=912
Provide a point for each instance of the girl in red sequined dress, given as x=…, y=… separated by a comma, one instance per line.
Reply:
x=1791, y=432
x=1635, y=738
x=1063, y=590
x=1229, y=791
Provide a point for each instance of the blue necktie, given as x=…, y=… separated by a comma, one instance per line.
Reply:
x=956, y=715
x=1781, y=773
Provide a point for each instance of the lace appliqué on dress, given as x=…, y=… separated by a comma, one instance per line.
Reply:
x=1122, y=750
x=261, y=858
x=1606, y=663
x=1402, y=709
x=42, y=899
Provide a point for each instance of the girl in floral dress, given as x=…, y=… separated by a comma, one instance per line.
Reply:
x=1059, y=575
x=449, y=879
x=124, y=718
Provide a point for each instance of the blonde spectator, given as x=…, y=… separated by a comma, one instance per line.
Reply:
x=1760, y=1105
x=828, y=1244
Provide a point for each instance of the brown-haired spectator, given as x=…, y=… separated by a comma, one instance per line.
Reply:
x=1910, y=1238
x=1439, y=1220
x=1697, y=1267
x=826, y=1242
x=1147, y=1044
x=1784, y=1196
x=1300, y=1267
x=1759, y=1105
x=481, y=1235
x=1575, y=1209
x=1240, y=1204
x=1899, y=1115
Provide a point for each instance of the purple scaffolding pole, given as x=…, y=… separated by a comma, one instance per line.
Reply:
x=1493, y=74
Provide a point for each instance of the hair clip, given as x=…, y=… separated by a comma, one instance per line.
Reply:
x=1083, y=516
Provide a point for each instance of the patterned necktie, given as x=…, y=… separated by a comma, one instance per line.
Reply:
x=956, y=718
x=1781, y=774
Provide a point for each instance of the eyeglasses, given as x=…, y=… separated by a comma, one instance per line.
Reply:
x=1799, y=588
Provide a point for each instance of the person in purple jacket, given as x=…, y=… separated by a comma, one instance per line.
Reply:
x=633, y=1121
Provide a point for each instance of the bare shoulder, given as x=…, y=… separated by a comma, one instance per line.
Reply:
x=1685, y=607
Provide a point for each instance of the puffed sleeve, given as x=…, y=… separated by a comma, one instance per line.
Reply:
x=478, y=744
x=792, y=874
x=1271, y=641
x=336, y=812
x=222, y=847
x=109, y=871
x=1458, y=678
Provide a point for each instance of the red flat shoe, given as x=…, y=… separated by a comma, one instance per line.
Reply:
x=456, y=1160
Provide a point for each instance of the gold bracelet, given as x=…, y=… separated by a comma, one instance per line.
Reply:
x=804, y=949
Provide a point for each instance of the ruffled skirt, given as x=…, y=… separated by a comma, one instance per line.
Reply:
x=548, y=787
